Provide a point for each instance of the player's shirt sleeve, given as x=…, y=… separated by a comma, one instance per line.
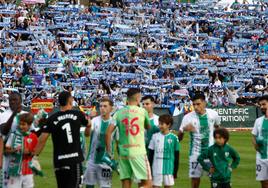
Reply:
x=114, y=119
x=235, y=156
x=255, y=131
x=177, y=143
x=34, y=142
x=9, y=140
x=147, y=119
x=204, y=155
x=184, y=123
x=217, y=119
x=83, y=119
x=151, y=144
x=48, y=127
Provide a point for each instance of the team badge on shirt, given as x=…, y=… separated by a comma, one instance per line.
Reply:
x=29, y=140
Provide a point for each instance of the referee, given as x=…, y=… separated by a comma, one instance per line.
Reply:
x=64, y=126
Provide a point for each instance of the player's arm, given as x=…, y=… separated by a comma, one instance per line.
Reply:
x=88, y=128
x=151, y=157
x=1, y=151
x=176, y=163
x=255, y=134
x=186, y=126
x=86, y=122
x=254, y=142
x=147, y=121
x=201, y=159
x=108, y=138
x=180, y=135
x=41, y=143
x=236, y=158
x=151, y=151
x=5, y=127
x=176, y=157
x=217, y=121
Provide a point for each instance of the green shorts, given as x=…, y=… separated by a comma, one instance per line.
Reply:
x=137, y=167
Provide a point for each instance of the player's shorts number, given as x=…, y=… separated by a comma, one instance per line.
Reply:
x=131, y=128
x=194, y=165
x=106, y=173
x=258, y=168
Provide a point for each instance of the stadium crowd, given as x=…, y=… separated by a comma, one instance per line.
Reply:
x=171, y=50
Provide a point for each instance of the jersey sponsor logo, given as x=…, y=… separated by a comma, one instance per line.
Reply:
x=68, y=156
x=227, y=154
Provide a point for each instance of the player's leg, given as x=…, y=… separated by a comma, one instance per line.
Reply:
x=126, y=183
x=157, y=180
x=262, y=172
x=264, y=184
x=90, y=175
x=27, y=181
x=69, y=176
x=168, y=181
x=104, y=176
x=126, y=173
x=195, y=182
x=195, y=172
x=14, y=182
x=142, y=171
x=60, y=176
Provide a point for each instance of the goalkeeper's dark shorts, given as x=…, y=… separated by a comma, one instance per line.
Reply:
x=69, y=176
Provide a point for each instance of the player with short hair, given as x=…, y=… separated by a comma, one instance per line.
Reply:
x=131, y=122
x=96, y=173
x=164, y=154
x=64, y=126
x=148, y=104
x=9, y=122
x=201, y=124
x=260, y=142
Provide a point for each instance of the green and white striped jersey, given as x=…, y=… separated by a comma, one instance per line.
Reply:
x=260, y=131
x=164, y=147
x=97, y=139
x=204, y=126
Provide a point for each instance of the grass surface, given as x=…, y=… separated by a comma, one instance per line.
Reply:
x=243, y=177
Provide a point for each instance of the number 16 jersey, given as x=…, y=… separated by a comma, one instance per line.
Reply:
x=64, y=128
x=131, y=122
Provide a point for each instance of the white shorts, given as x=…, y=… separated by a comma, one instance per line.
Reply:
x=261, y=169
x=96, y=174
x=166, y=180
x=25, y=181
x=195, y=169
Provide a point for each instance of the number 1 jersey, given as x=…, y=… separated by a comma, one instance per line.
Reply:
x=64, y=128
x=131, y=121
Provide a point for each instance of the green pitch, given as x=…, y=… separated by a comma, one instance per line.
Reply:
x=242, y=177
